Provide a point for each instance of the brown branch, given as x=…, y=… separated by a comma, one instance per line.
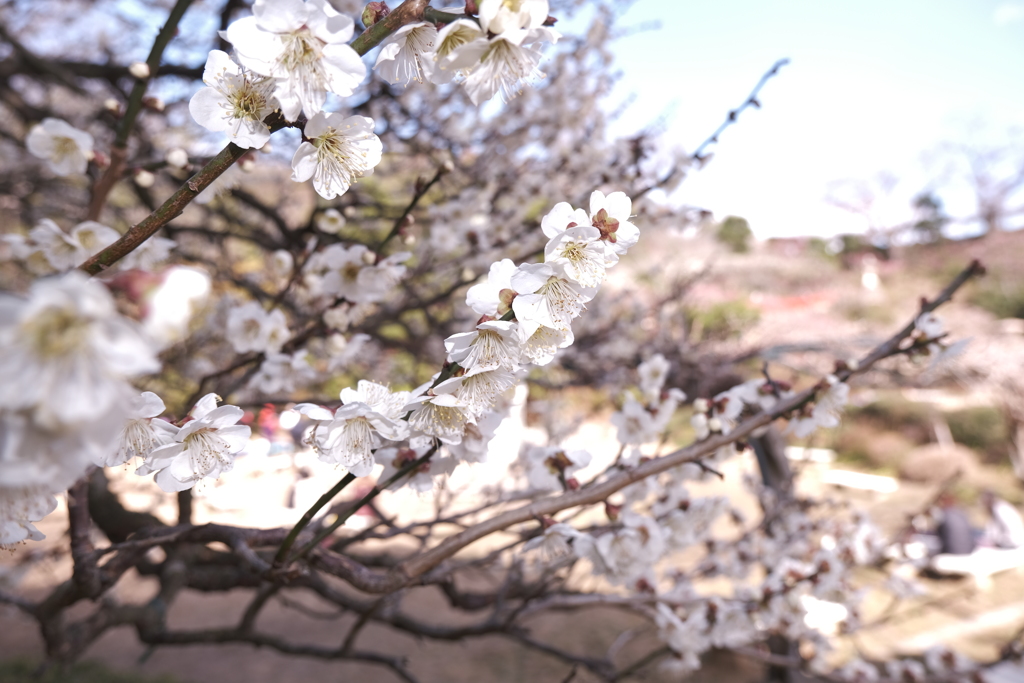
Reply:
x=119, y=150
x=167, y=212
x=376, y=581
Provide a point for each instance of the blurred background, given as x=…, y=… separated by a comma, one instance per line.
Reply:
x=876, y=164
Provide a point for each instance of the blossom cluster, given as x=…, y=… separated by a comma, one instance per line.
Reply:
x=292, y=53
x=48, y=249
x=497, y=52
x=526, y=315
x=66, y=358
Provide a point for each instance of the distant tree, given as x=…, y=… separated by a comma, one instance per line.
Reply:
x=734, y=232
x=931, y=217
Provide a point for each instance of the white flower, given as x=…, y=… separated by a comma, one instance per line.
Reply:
x=547, y=299
x=407, y=54
x=439, y=413
x=495, y=344
x=19, y=507
x=90, y=237
x=560, y=541
x=234, y=101
x=450, y=38
x=330, y=221
x=652, y=373
x=481, y=388
x=250, y=328
x=494, y=296
x=611, y=215
x=341, y=150
x=634, y=422
x=66, y=149
x=65, y=353
x=58, y=248
x=142, y=434
x=281, y=373
x=498, y=16
x=580, y=252
x=348, y=437
x=502, y=63
x=203, y=448
x=632, y=549
x=148, y=254
x=548, y=466
x=304, y=46
x=930, y=325
x=541, y=346
x=420, y=479
x=827, y=410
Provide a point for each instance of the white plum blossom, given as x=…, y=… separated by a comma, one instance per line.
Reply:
x=142, y=434
x=304, y=47
x=19, y=507
x=368, y=414
x=610, y=215
x=281, y=373
x=57, y=246
x=499, y=16
x=634, y=423
x=541, y=346
x=480, y=389
x=454, y=35
x=580, y=252
x=250, y=328
x=66, y=354
x=930, y=325
x=204, y=448
x=407, y=54
x=493, y=297
x=547, y=299
x=653, y=373
x=65, y=149
x=548, y=466
x=422, y=478
x=494, y=344
x=826, y=412
x=439, y=413
x=340, y=151
x=560, y=541
x=501, y=63
x=629, y=551
x=234, y=101
x=330, y=221
x=148, y=254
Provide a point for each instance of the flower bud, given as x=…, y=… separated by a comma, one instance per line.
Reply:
x=139, y=70
x=374, y=12
x=144, y=178
x=177, y=157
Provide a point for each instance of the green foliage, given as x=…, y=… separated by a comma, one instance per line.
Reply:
x=721, y=321
x=735, y=233
x=982, y=428
x=1000, y=299
x=21, y=671
x=897, y=415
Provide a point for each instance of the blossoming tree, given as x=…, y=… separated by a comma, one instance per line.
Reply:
x=470, y=263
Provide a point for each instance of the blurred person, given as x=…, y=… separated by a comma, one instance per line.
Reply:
x=1005, y=528
x=956, y=536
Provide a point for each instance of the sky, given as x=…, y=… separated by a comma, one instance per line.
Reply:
x=873, y=87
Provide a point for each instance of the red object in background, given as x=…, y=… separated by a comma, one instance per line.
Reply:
x=267, y=420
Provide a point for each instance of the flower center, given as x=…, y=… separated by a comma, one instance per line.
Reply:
x=56, y=332
x=63, y=147
x=247, y=102
x=301, y=49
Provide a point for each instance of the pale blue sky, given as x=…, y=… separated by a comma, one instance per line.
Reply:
x=872, y=86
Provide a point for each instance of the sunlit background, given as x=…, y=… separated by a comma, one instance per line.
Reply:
x=874, y=108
